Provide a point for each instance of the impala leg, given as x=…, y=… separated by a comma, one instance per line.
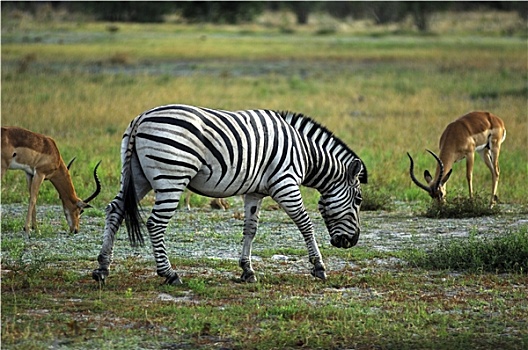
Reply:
x=491, y=158
x=495, y=173
x=34, y=182
x=252, y=203
x=470, y=160
x=291, y=202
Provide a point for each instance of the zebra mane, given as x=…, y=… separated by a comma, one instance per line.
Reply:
x=306, y=125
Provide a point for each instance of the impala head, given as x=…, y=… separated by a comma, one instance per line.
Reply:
x=73, y=211
x=339, y=207
x=435, y=186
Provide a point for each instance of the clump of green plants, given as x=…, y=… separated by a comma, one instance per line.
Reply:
x=505, y=253
x=374, y=199
x=461, y=207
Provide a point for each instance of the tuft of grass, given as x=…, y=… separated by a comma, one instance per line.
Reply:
x=505, y=253
x=461, y=207
x=120, y=59
x=375, y=199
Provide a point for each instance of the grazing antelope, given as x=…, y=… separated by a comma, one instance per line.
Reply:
x=38, y=156
x=482, y=132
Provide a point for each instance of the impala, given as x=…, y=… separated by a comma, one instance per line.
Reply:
x=38, y=156
x=480, y=132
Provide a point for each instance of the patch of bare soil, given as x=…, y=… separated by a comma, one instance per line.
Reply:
x=205, y=233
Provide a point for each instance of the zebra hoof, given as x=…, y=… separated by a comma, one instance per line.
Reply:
x=248, y=277
x=321, y=274
x=173, y=281
x=100, y=275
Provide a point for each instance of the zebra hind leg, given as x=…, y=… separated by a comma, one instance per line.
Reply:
x=114, y=218
x=162, y=212
x=252, y=211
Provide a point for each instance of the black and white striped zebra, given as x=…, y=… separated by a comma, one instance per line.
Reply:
x=219, y=153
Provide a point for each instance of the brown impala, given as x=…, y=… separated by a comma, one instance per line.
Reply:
x=38, y=156
x=480, y=132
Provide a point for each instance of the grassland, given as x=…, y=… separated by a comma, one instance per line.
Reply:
x=383, y=93
x=409, y=284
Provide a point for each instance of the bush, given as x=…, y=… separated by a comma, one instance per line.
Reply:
x=505, y=253
x=461, y=207
x=374, y=199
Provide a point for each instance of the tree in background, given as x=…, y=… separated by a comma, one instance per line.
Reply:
x=234, y=12
x=302, y=9
x=127, y=11
x=230, y=12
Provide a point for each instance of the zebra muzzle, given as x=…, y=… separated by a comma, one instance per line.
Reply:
x=344, y=240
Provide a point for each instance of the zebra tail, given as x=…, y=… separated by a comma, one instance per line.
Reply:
x=133, y=219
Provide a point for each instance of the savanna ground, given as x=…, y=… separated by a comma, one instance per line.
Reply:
x=383, y=90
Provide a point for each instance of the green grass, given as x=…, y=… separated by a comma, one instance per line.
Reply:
x=381, y=110
x=383, y=94
x=461, y=207
x=397, y=91
x=499, y=254
x=376, y=299
x=402, y=309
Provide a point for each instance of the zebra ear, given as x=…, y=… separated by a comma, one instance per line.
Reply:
x=354, y=170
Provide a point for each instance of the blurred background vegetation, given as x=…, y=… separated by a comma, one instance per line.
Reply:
x=237, y=12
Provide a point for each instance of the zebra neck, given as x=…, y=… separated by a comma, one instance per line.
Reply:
x=326, y=164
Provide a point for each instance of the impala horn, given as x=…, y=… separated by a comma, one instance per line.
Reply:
x=441, y=175
x=414, y=179
x=418, y=183
x=70, y=163
x=97, y=183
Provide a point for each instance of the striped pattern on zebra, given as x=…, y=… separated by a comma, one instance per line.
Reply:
x=219, y=153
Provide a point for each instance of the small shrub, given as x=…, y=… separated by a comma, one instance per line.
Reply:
x=328, y=30
x=461, y=207
x=120, y=59
x=25, y=62
x=374, y=200
x=505, y=253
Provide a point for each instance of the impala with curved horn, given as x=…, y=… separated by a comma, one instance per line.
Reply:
x=38, y=156
x=480, y=132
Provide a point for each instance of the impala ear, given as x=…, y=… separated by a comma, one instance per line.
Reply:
x=444, y=180
x=427, y=176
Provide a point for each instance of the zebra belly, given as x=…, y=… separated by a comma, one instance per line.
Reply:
x=217, y=184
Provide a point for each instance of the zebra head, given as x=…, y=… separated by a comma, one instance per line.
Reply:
x=339, y=207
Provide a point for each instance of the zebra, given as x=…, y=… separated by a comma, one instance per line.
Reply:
x=220, y=153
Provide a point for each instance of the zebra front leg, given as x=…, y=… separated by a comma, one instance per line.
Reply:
x=316, y=259
x=289, y=198
x=252, y=204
